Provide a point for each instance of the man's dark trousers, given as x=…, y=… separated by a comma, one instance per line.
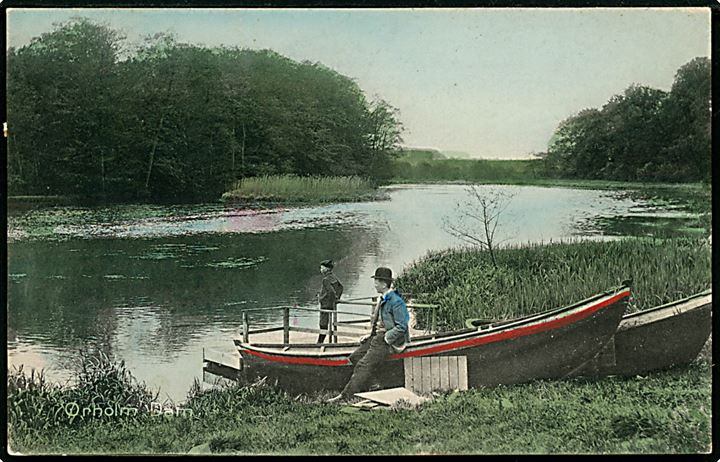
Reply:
x=324, y=323
x=366, y=358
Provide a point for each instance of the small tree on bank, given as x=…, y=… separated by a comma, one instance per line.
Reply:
x=478, y=218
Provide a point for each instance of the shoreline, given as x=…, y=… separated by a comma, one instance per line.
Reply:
x=610, y=414
x=15, y=202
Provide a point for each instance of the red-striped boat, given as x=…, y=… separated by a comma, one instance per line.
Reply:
x=551, y=344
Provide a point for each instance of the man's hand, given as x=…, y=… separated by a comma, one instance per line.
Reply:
x=364, y=338
x=398, y=349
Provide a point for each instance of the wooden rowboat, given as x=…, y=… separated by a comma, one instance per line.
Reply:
x=654, y=339
x=548, y=345
x=658, y=338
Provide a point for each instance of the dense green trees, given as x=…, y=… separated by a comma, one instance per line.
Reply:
x=172, y=121
x=644, y=134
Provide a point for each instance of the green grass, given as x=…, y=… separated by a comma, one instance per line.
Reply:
x=295, y=189
x=667, y=412
x=418, y=169
x=35, y=404
x=663, y=412
x=539, y=277
x=429, y=167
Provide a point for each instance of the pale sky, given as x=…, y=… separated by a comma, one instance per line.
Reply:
x=493, y=83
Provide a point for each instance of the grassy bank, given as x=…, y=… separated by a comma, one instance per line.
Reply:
x=27, y=202
x=663, y=412
x=540, y=277
x=295, y=189
x=668, y=412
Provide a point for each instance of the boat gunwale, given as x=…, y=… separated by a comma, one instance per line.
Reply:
x=553, y=311
x=673, y=304
x=667, y=312
x=464, y=334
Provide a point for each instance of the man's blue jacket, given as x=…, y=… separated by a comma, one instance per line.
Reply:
x=395, y=317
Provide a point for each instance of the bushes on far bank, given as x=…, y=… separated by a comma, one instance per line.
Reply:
x=469, y=170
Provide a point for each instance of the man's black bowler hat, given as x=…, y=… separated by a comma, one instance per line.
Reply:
x=383, y=273
x=327, y=264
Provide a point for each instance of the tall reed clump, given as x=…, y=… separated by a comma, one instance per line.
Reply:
x=291, y=188
x=535, y=278
x=102, y=389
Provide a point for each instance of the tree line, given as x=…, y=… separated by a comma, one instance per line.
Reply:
x=643, y=134
x=89, y=116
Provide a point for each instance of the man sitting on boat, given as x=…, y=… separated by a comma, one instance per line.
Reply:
x=389, y=334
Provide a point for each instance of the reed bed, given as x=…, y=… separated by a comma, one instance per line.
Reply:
x=291, y=188
x=535, y=278
x=101, y=389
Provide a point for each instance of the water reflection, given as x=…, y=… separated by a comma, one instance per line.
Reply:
x=153, y=285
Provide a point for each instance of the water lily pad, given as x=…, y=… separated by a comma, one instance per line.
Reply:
x=237, y=263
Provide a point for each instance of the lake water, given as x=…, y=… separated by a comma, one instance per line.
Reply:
x=154, y=285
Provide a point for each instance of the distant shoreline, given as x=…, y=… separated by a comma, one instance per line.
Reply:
x=19, y=202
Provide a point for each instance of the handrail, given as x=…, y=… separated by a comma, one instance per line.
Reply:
x=268, y=308
x=409, y=305
x=310, y=330
x=332, y=329
x=339, y=302
x=329, y=311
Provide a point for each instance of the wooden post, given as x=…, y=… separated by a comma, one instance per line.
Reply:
x=333, y=326
x=433, y=326
x=286, y=324
x=246, y=328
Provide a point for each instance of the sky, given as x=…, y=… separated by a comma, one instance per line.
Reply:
x=492, y=83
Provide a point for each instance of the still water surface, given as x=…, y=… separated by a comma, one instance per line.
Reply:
x=154, y=285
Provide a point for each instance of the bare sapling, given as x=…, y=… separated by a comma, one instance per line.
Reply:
x=478, y=218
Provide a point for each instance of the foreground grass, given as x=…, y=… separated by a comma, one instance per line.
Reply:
x=294, y=189
x=540, y=277
x=668, y=412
